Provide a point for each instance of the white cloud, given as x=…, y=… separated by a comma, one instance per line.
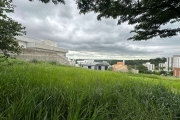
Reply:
x=85, y=36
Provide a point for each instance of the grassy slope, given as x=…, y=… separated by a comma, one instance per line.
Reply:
x=44, y=91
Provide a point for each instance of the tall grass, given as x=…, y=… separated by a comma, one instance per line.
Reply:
x=49, y=92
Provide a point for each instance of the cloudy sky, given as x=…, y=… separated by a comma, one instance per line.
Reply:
x=86, y=37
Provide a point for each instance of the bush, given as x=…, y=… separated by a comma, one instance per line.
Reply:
x=36, y=61
x=53, y=63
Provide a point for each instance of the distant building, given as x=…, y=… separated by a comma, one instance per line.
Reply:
x=169, y=63
x=162, y=66
x=45, y=50
x=120, y=66
x=176, y=72
x=72, y=62
x=150, y=66
x=167, y=66
x=176, y=61
x=90, y=64
x=176, y=65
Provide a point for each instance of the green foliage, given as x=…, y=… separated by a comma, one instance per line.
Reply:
x=171, y=73
x=8, y=29
x=36, y=61
x=155, y=61
x=109, y=69
x=53, y=63
x=54, y=1
x=44, y=91
x=148, y=16
x=142, y=69
x=162, y=72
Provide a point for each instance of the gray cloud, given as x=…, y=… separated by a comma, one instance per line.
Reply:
x=84, y=35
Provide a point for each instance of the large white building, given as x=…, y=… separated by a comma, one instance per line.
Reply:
x=168, y=65
x=163, y=66
x=150, y=66
x=45, y=50
x=176, y=61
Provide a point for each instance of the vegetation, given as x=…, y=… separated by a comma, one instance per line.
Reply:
x=44, y=91
x=148, y=16
x=8, y=29
x=136, y=62
x=155, y=61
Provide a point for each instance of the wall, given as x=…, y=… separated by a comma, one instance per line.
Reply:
x=120, y=63
x=30, y=54
x=86, y=66
x=23, y=44
x=102, y=68
x=135, y=71
x=50, y=43
x=122, y=68
x=176, y=72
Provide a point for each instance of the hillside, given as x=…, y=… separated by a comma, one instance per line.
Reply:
x=51, y=92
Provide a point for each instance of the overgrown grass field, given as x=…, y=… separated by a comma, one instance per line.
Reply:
x=42, y=91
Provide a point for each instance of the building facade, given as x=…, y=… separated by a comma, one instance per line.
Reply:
x=169, y=63
x=176, y=65
x=120, y=66
x=151, y=67
x=45, y=50
x=176, y=61
x=90, y=64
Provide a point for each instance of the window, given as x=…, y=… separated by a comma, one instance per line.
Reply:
x=89, y=67
x=106, y=67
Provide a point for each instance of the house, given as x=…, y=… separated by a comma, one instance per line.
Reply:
x=120, y=66
x=150, y=66
x=90, y=64
x=45, y=50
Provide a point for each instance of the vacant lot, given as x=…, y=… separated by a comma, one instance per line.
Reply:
x=51, y=92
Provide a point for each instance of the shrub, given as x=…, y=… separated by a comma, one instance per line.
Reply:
x=53, y=63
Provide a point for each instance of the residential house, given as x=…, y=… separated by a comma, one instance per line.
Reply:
x=120, y=66
x=90, y=64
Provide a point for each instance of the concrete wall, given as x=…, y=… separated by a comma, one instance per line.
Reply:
x=135, y=71
x=176, y=72
x=25, y=39
x=30, y=54
x=49, y=42
x=92, y=67
x=23, y=44
x=102, y=68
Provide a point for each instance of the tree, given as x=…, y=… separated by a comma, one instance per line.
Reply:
x=54, y=1
x=148, y=16
x=142, y=69
x=8, y=29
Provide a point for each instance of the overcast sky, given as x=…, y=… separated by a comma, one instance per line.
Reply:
x=86, y=37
